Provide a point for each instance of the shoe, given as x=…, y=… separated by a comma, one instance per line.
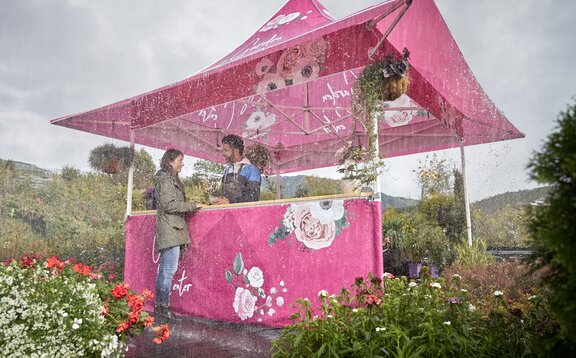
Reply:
x=163, y=313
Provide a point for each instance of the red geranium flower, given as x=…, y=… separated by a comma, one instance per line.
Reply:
x=371, y=299
x=54, y=262
x=123, y=326
x=81, y=269
x=27, y=260
x=162, y=333
x=148, y=295
x=133, y=316
x=7, y=262
x=105, y=312
x=148, y=321
x=120, y=291
x=135, y=302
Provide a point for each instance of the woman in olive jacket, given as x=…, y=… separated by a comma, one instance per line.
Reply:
x=172, y=235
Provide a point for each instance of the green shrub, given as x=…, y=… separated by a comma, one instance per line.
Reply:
x=473, y=256
x=552, y=227
x=397, y=317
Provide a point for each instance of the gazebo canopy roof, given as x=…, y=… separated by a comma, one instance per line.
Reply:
x=290, y=85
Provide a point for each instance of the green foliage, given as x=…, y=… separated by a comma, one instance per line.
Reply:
x=516, y=198
x=512, y=278
x=317, y=186
x=434, y=176
x=259, y=155
x=70, y=173
x=552, y=225
x=424, y=241
x=398, y=318
x=85, y=218
x=79, y=216
x=445, y=211
x=207, y=170
x=144, y=170
x=360, y=165
x=270, y=192
x=506, y=227
x=474, y=256
x=205, y=179
x=393, y=227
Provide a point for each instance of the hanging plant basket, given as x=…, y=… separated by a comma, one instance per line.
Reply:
x=111, y=159
x=259, y=155
x=383, y=80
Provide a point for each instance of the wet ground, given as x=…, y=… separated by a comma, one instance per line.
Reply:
x=195, y=337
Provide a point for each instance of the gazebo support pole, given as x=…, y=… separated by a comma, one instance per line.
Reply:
x=466, y=201
x=130, y=179
x=377, y=186
x=277, y=186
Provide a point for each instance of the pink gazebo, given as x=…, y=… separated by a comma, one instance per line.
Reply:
x=289, y=87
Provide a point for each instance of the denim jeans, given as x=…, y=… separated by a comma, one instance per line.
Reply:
x=166, y=270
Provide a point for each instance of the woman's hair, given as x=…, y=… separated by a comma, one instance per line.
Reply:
x=169, y=157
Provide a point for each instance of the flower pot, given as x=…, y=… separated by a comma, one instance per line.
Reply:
x=113, y=166
x=395, y=87
x=415, y=268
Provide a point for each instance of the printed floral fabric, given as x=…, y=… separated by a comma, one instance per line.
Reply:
x=314, y=224
x=249, y=264
x=296, y=64
x=251, y=299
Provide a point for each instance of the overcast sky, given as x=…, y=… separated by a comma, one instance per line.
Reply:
x=61, y=57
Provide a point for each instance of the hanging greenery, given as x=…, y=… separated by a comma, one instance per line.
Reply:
x=383, y=80
x=111, y=159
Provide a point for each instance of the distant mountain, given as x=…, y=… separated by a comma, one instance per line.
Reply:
x=25, y=167
x=521, y=197
x=397, y=202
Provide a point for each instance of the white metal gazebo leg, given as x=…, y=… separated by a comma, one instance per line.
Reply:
x=466, y=201
x=130, y=179
x=377, y=186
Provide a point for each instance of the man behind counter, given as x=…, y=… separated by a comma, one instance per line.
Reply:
x=241, y=180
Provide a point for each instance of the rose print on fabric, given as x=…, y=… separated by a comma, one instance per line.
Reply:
x=296, y=65
x=314, y=224
x=250, y=298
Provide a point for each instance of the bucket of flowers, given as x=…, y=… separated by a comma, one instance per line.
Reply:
x=52, y=307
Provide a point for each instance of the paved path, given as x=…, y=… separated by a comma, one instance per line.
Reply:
x=194, y=337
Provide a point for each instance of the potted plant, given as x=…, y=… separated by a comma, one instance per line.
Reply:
x=111, y=159
x=423, y=244
x=383, y=80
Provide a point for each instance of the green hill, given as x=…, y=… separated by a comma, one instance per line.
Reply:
x=516, y=198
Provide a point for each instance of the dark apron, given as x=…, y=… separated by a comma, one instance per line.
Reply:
x=232, y=185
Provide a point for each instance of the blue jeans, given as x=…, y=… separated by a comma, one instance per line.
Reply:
x=166, y=270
